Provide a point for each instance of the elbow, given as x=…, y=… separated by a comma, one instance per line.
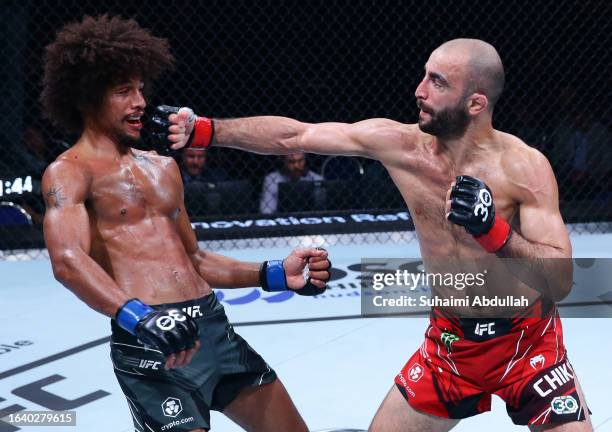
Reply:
x=297, y=139
x=564, y=281
x=64, y=265
x=60, y=272
x=287, y=145
x=561, y=291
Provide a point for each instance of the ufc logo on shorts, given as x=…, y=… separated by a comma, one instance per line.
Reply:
x=482, y=208
x=484, y=328
x=555, y=378
x=193, y=311
x=167, y=322
x=146, y=364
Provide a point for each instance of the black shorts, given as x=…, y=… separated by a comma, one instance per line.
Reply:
x=180, y=399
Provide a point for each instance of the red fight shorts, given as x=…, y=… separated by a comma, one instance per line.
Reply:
x=462, y=362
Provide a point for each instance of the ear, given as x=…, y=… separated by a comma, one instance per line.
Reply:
x=477, y=103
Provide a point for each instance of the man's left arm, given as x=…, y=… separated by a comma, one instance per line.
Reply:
x=275, y=275
x=540, y=255
x=539, y=252
x=542, y=231
x=280, y=275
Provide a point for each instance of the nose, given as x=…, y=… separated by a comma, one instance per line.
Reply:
x=420, y=92
x=139, y=101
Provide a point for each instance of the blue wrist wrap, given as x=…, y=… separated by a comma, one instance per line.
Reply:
x=132, y=312
x=275, y=276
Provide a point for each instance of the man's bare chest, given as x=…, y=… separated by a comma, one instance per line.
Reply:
x=130, y=190
x=425, y=189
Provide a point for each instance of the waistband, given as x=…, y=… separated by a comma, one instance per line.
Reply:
x=199, y=308
x=481, y=329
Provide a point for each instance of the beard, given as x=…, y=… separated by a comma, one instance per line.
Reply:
x=447, y=123
x=129, y=141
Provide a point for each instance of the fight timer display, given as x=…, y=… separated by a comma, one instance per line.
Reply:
x=15, y=185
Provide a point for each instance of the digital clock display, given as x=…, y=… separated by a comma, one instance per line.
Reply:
x=15, y=186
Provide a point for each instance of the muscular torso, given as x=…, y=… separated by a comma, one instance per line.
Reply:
x=133, y=203
x=423, y=177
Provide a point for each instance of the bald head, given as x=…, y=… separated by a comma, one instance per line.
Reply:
x=483, y=66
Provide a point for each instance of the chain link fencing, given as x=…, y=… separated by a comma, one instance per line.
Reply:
x=321, y=61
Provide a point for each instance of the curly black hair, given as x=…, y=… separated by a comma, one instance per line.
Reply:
x=89, y=56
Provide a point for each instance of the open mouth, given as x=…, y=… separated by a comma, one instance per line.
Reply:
x=134, y=121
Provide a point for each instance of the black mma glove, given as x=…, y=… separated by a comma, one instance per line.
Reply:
x=272, y=279
x=472, y=207
x=169, y=330
x=200, y=137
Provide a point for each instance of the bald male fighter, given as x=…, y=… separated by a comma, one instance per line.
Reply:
x=472, y=191
x=119, y=238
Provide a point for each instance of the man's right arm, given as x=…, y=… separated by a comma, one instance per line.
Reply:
x=67, y=236
x=372, y=138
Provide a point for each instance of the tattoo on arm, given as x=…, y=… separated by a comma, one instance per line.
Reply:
x=54, y=197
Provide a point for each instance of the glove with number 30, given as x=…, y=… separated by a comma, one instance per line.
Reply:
x=472, y=207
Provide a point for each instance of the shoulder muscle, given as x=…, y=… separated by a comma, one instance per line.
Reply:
x=529, y=174
x=64, y=182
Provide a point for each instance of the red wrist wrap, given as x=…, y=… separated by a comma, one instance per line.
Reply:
x=497, y=236
x=203, y=130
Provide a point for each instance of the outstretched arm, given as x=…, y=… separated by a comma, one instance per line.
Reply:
x=281, y=135
x=371, y=138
